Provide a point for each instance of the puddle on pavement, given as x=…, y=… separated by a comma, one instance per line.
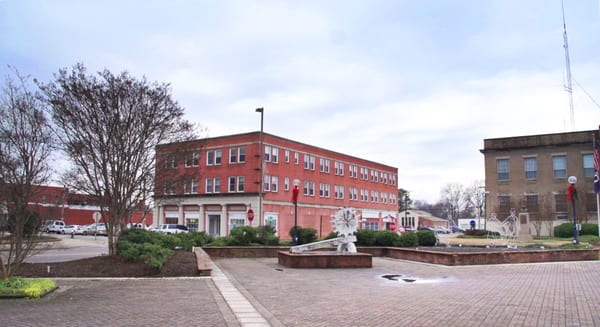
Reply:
x=414, y=280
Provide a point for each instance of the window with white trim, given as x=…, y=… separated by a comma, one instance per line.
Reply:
x=192, y=159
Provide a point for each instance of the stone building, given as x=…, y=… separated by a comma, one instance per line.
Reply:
x=529, y=175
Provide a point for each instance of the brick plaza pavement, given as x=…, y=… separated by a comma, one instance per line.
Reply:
x=544, y=294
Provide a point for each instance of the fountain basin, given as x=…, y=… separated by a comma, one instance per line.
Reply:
x=325, y=259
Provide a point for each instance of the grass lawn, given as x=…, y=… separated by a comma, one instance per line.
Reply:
x=32, y=288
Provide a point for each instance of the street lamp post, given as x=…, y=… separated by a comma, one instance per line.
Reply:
x=261, y=158
x=572, y=196
x=295, y=192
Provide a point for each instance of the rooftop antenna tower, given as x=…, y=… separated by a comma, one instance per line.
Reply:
x=569, y=86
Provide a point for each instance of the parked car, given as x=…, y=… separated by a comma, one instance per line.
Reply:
x=426, y=228
x=441, y=230
x=71, y=229
x=456, y=229
x=54, y=226
x=95, y=229
x=172, y=229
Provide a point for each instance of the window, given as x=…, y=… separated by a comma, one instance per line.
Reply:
x=530, y=168
x=232, y=183
x=309, y=162
x=286, y=184
x=209, y=185
x=267, y=183
x=241, y=154
x=373, y=176
x=324, y=165
x=338, y=192
x=532, y=202
x=296, y=158
x=392, y=179
x=352, y=193
x=170, y=161
x=233, y=155
x=588, y=165
x=217, y=157
x=559, y=164
x=217, y=185
x=170, y=188
x=267, y=153
x=210, y=158
x=274, y=155
x=560, y=203
x=274, y=182
x=364, y=174
x=309, y=188
x=191, y=188
x=287, y=156
x=503, y=170
x=374, y=196
x=353, y=171
x=237, y=222
x=371, y=225
x=192, y=159
x=241, y=181
x=324, y=190
x=213, y=185
x=384, y=178
x=503, y=204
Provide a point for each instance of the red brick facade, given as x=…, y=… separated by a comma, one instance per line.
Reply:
x=188, y=173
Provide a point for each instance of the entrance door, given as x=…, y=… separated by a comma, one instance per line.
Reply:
x=214, y=225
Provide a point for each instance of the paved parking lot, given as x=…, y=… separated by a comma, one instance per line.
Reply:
x=415, y=294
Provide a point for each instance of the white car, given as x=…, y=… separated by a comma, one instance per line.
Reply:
x=54, y=226
x=95, y=229
x=74, y=229
x=172, y=229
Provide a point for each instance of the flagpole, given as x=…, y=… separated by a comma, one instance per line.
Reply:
x=596, y=181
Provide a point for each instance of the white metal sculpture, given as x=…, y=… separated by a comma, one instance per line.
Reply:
x=345, y=224
x=503, y=232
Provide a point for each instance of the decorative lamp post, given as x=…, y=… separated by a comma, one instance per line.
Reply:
x=295, y=192
x=261, y=158
x=572, y=196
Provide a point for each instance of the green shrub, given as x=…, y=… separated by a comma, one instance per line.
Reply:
x=475, y=232
x=244, y=235
x=194, y=239
x=139, y=236
x=589, y=229
x=129, y=250
x=408, y=239
x=365, y=237
x=224, y=241
x=564, y=230
x=426, y=238
x=305, y=235
x=155, y=255
x=386, y=238
x=169, y=241
x=266, y=235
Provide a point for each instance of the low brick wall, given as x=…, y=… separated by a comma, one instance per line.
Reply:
x=438, y=256
x=454, y=258
x=325, y=259
x=203, y=261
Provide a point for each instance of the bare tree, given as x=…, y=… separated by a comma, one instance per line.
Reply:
x=475, y=198
x=26, y=145
x=453, y=197
x=109, y=126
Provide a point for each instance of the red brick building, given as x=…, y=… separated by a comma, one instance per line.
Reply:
x=58, y=203
x=211, y=185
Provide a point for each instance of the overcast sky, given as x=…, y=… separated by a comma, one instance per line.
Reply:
x=417, y=85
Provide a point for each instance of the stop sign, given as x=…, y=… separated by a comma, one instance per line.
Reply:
x=250, y=215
